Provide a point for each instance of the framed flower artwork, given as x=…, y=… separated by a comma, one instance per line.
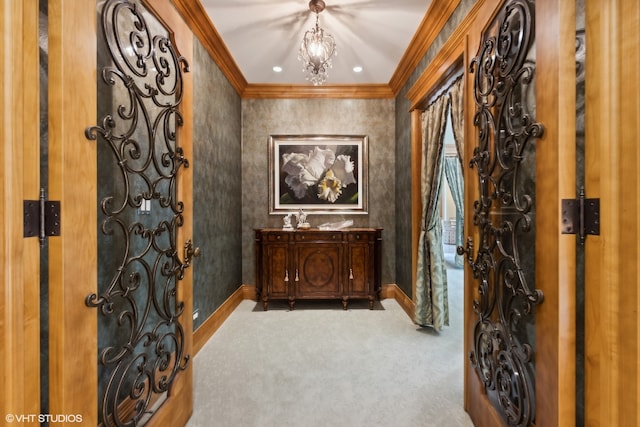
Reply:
x=323, y=174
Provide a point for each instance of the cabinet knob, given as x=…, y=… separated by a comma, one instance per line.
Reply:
x=297, y=277
x=351, y=273
x=286, y=275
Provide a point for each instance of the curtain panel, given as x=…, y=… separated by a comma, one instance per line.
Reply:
x=456, y=94
x=453, y=172
x=431, y=299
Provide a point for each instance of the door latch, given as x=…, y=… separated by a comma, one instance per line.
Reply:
x=581, y=216
x=190, y=252
x=41, y=218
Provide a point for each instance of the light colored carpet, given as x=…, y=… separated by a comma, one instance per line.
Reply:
x=321, y=366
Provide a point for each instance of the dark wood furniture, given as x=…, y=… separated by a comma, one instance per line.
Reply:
x=318, y=264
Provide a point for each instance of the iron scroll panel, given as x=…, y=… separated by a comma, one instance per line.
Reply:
x=141, y=340
x=504, y=265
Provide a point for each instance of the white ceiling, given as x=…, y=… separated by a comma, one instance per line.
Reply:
x=261, y=34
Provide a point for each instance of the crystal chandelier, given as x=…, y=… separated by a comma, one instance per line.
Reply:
x=316, y=49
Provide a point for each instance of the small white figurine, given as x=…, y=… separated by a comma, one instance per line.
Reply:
x=287, y=222
x=301, y=219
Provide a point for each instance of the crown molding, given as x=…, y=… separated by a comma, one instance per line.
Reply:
x=434, y=20
x=446, y=64
x=198, y=20
x=283, y=91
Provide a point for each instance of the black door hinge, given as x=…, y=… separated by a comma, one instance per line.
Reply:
x=581, y=216
x=41, y=218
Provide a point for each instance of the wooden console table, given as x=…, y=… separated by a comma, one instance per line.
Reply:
x=318, y=264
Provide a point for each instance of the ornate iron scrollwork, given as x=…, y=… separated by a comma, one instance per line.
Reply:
x=504, y=158
x=144, y=348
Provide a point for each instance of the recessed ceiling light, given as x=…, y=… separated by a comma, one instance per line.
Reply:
x=357, y=69
x=277, y=69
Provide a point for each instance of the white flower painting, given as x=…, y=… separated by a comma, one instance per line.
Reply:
x=318, y=173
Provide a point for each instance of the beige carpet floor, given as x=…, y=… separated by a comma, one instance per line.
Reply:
x=322, y=366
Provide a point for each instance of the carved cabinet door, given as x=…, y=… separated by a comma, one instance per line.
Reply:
x=359, y=266
x=317, y=270
x=276, y=269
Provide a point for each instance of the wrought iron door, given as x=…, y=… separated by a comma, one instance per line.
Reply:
x=503, y=258
x=140, y=338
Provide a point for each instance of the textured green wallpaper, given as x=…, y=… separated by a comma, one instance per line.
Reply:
x=217, y=186
x=264, y=117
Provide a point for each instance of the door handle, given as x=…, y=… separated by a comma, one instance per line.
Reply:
x=461, y=250
x=190, y=252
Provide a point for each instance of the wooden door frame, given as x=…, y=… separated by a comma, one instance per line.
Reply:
x=20, y=155
x=73, y=348
x=555, y=179
x=612, y=126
